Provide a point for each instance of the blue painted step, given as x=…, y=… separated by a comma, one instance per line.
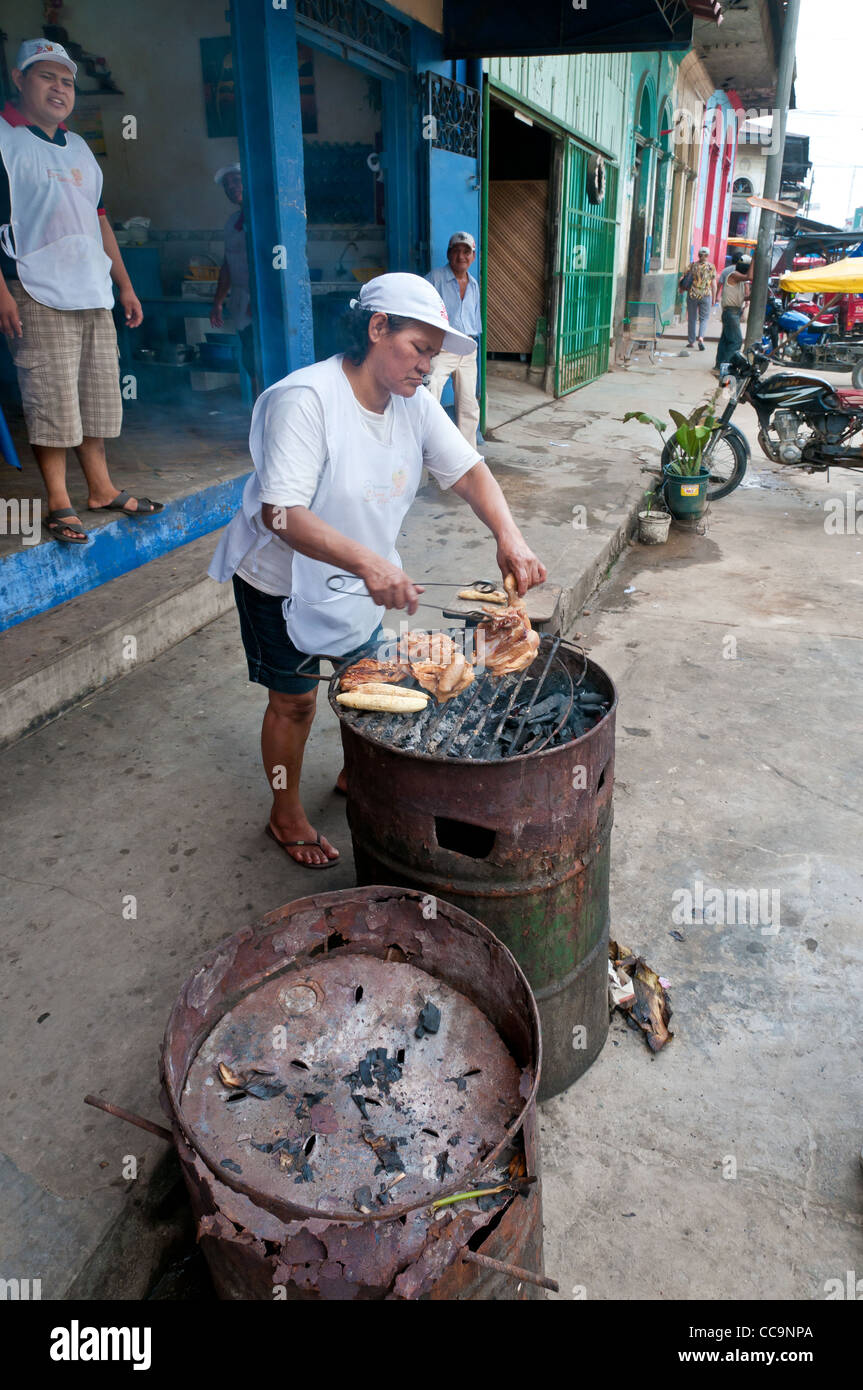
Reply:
x=39, y=577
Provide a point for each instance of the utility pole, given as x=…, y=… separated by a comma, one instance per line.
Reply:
x=773, y=177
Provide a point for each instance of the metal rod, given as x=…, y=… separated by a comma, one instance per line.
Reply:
x=152, y=1128
x=532, y=699
x=527, y=1276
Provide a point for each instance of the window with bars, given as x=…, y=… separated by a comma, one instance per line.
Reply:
x=364, y=25
x=450, y=114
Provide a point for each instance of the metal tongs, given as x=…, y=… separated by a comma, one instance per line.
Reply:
x=339, y=582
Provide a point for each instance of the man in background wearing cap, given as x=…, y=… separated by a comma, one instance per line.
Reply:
x=234, y=271
x=58, y=256
x=460, y=293
x=735, y=293
x=700, y=285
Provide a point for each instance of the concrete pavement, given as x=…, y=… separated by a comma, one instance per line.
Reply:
x=136, y=844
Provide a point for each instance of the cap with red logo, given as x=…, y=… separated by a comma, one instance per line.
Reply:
x=43, y=51
x=412, y=297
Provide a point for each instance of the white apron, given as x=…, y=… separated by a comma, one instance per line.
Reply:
x=365, y=491
x=54, y=197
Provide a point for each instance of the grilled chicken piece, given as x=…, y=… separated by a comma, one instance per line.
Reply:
x=436, y=663
x=513, y=599
x=367, y=669
x=510, y=643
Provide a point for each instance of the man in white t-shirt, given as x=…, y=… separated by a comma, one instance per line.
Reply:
x=339, y=449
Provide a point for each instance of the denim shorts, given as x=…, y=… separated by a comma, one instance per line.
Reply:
x=273, y=659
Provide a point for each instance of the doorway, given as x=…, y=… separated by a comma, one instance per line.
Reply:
x=519, y=176
x=342, y=113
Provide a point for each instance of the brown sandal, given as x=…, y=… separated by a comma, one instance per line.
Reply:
x=287, y=845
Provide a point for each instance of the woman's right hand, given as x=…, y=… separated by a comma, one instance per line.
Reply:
x=390, y=586
x=10, y=318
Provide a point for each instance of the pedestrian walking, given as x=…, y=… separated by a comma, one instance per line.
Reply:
x=460, y=293
x=339, y=449
x=58, y=255
x=699, y=281
x=735, y=293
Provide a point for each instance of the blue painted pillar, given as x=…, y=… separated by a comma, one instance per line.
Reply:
x=271, y=152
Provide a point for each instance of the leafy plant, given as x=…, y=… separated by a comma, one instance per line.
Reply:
x=689, y=439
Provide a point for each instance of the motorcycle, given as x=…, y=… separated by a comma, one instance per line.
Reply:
x=803, y=422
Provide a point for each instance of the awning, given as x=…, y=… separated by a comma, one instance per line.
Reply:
x=843, y=277
x=490, y=29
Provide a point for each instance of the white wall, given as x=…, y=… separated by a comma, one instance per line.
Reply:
x=345, y=113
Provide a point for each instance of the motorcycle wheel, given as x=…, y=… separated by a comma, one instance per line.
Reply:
x=857, y=377
x=728, y=459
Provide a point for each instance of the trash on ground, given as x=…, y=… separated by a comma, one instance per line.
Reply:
x=649, y=1010
x=620, y=987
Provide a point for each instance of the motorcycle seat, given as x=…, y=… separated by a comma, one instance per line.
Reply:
x=850, y=396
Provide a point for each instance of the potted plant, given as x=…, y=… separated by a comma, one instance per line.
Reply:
x=653, y=521
x=685, y=478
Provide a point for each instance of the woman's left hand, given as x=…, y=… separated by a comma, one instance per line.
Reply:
x=514, y=556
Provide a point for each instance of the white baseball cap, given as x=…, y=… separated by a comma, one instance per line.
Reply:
x=225, y=170
x=43, y=51
x=704, y=251
x=461, y=238
x=412, y=297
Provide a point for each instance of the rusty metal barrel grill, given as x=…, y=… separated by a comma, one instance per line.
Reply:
x=332, y=1071
x=519, y=840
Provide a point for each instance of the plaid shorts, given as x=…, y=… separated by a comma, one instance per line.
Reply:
x=68, y=372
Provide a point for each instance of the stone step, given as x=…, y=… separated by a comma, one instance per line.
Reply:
x=57, y=658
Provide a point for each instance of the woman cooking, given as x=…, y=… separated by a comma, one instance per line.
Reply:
x=338, y=449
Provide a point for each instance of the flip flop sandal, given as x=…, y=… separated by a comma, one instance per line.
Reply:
x=56, y=523
x=298, y=844
x=145, y=506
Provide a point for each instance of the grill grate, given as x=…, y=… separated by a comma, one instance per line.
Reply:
x=478, y=724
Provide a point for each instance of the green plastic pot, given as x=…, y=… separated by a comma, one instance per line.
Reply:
x=686, y=497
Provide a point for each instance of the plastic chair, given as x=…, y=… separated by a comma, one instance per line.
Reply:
x=7, y=447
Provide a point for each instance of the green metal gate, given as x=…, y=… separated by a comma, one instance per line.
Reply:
x=586, y=272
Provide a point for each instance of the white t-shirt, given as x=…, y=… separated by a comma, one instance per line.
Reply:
x=295, y=454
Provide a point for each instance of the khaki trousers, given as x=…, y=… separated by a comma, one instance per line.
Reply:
x=463, y=373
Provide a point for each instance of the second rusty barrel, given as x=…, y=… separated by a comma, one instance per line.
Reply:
x=522, y=843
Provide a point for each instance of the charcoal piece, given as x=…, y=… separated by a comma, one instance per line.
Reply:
x=429, y=1020
x=313, y=1096
x=265, y=1090
x=279, y=1145
x=442, y=1166
x=301, y=1112
x=458, y=1081
x=490, y=1200
x=262, y=1148
x=306, y=1173
x=384, y=1197
x=454, y=1140
x=380, y=1054
x=360, y=1103
x=229, y=1163
x=363, y=1200
x=365, y=1073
